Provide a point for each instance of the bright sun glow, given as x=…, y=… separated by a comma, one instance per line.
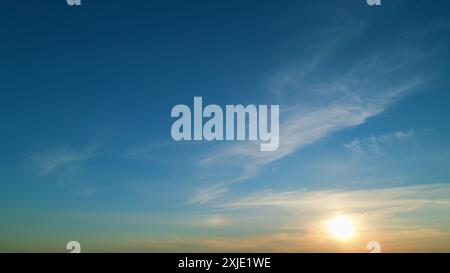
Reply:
x=341, y=227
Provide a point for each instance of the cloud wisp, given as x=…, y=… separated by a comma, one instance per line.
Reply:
x=374, y=144
x=284, y=221
x=381, y=202
x=48, y=162
x=360, y=93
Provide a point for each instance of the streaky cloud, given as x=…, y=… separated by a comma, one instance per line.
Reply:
x=377, y=201
x=47, y=162
x=364, y=91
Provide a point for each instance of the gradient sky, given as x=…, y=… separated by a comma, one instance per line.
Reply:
x=85, y=100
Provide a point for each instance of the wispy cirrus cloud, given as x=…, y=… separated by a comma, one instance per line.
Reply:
x=318, y=99
x=298, y=219
x=381, y=202
x=50, y=161
x=205, y=194
x=362, y=92
x=374, y=144
x=282, y=221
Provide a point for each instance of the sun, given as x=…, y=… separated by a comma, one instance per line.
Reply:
x=341, y=227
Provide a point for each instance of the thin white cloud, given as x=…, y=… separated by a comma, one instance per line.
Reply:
x=286, y=82
x=399, y=218
x=204, y=195
x=391, y=215
x=50, y=161
x=374, y=144
x=298, y=221
x=381, y=202
x=363, y=94
x=317, y=100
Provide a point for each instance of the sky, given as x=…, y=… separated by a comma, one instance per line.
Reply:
x=86, y=94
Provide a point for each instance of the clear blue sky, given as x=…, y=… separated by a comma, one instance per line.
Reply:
x=85, y=100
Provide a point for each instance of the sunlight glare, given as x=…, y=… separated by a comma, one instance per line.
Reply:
x=341, y=228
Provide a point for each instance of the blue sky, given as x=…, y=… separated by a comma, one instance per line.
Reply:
x=87, y=155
